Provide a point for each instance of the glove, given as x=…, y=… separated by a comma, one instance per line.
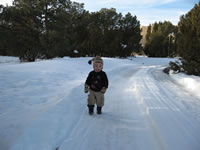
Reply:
x=86, y=88
x=103, y=90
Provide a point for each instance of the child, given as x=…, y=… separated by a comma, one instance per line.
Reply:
x=97, y=84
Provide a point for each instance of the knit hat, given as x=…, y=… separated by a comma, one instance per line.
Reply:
x=98, y=59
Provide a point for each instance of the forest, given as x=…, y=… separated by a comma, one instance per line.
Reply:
x=183, y=41
x=45, y=29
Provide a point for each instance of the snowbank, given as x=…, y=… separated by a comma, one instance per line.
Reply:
x=189, y=82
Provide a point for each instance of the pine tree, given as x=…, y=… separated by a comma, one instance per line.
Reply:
x=161, y=40
x=189, y=39
x=34, y=29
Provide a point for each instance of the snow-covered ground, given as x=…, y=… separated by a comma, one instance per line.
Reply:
x=43, y=106
x=8, y=59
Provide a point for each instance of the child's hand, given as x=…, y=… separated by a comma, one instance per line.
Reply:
x=103, y=90
x=86, y=88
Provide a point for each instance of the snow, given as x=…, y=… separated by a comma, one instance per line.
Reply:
x=43, y=106
x=189, y=83
x=9, y=59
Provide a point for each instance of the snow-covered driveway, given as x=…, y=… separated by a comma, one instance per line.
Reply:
x=144, y=109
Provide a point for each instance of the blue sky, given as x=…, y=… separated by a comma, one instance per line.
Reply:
x=147, y=11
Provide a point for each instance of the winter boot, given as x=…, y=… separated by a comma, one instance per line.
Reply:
x=99, y=110
x=91, y=109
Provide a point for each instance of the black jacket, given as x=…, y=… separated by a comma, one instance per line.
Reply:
x=97, y=80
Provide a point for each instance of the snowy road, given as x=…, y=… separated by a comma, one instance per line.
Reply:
x=136, y=119
x=144, y=110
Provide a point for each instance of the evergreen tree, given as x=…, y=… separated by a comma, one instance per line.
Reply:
x=161, y=40
x=131, y=36
x=34, y=29
x=148, y=33
x=189, y=39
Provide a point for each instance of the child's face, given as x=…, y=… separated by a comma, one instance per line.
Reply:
x=98, y=67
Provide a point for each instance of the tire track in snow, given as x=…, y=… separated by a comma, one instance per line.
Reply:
x=159, y=103
x=169, y=93
x=87, y=125
x=141, y=79
x=187, y=123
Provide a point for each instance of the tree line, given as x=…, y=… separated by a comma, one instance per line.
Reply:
x=160, y=40
x=183, y=40
x=45, y=29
